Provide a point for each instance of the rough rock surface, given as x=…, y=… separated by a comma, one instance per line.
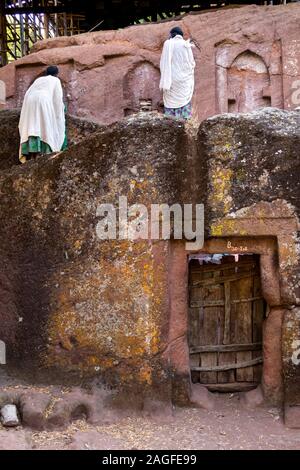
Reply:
x=77, y=129
x=252, y=163
x=201, y=397
x=78, y=335
x=116, y=310
x=253, y=398
x=246, y=58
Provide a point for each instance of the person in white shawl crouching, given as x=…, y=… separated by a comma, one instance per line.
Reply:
x=42, y=122
x=177, y=66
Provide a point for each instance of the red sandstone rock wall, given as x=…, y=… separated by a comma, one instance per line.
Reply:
x=249, y=58
x=117, y=309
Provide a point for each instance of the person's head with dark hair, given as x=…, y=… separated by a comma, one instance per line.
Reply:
x=175, y=31
x=52, y=70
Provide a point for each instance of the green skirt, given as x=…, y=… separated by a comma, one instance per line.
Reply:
x=36, y=145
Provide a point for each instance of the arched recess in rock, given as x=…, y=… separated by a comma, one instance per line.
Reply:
x=27, y=75
x=248, y=82
x=141, y=89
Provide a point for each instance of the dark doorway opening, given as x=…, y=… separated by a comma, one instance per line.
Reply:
x=226, y=314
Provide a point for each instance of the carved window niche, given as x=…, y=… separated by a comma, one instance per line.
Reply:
x=248, y=84
x=141, y=89
x=247, y=80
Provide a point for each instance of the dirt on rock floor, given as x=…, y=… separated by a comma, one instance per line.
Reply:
x=229, y=426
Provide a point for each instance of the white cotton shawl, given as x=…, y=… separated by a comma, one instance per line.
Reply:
x=177, y=66
x=42, y=113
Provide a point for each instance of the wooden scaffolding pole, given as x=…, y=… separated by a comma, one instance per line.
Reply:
x=3, y=58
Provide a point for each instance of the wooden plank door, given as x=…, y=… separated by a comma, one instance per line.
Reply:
x=226, y=312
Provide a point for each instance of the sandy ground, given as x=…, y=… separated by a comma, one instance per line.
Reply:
x=228, y=426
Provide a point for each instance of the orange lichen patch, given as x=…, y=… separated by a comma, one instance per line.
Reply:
x=223, y=138
x=113, y=314
x=148, y=278
x=221, y=185
x=145, y=374
x=129, y=346
x=225, y=227
x=78, y=244
x=142, y=185
x=149, y=169
x=154, y=340
x=64, y=299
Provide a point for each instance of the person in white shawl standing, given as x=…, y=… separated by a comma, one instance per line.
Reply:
x=177, y=66
x=42, y=122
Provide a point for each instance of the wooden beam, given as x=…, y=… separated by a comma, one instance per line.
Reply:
x=222, y=279
x=239, y=365
x=232, y=387
x=226, y=348
x=249, y=299
x=3, y=57
x=41, y=9
x=220, y=303
x=206, y=303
